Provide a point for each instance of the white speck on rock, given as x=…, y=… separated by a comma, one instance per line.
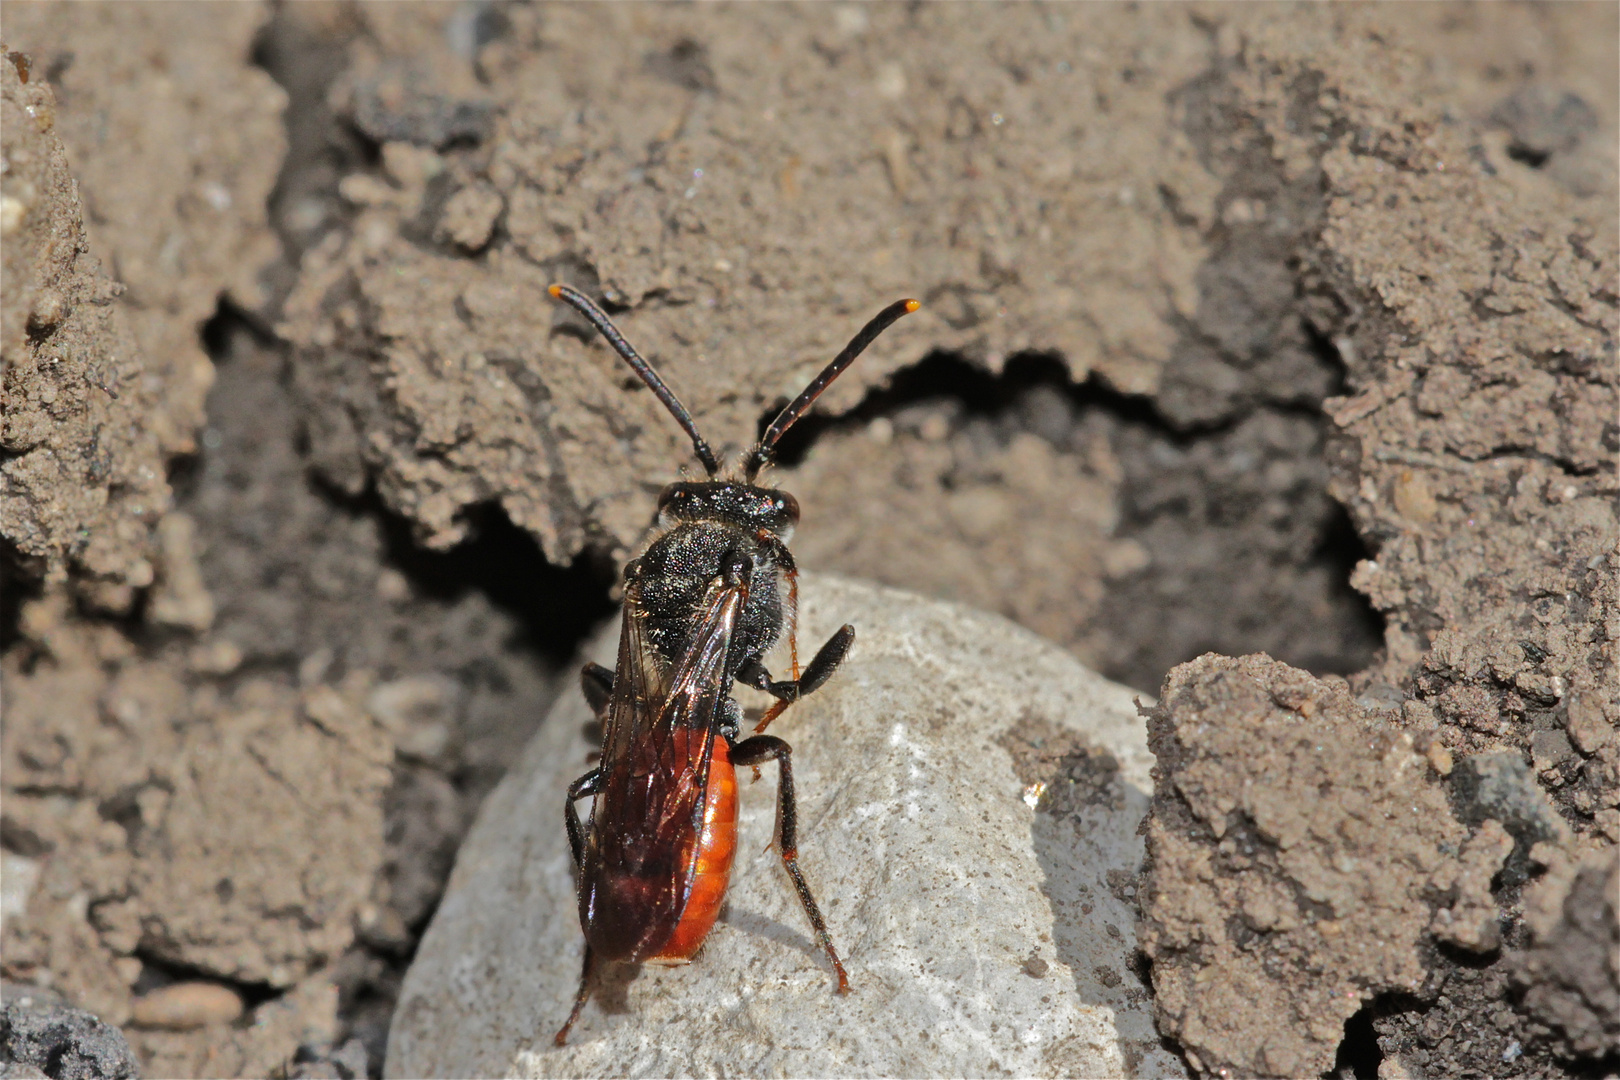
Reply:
x=18, y=876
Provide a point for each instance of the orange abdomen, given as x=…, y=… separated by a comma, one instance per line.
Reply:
x=716, y=845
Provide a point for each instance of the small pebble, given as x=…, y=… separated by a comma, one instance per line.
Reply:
x=187, y=1005
x=12, y=212
x=217, y=657
x=49, y=310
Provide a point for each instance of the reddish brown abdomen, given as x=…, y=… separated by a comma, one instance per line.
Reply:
x=716, y=845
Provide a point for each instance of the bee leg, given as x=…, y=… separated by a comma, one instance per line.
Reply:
x=826, y=660
x=579, y=998
x=787, y=691
x=764, y=748
x=585, y=785
x=597, y=682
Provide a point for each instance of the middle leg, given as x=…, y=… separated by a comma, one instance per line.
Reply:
x=585, y=785
x=588, y=784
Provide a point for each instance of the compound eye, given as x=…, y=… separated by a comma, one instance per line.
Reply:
x=669, y=495
x=788, y=505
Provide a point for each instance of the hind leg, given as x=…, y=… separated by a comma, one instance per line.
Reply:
x=579, y=998
x=763, y=748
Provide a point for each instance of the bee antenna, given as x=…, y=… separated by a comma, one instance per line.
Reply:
x=604, y=326
x=760, y=454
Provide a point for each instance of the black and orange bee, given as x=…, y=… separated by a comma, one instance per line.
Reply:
x=703, y=605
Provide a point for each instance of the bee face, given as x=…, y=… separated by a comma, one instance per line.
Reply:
x=736, y=503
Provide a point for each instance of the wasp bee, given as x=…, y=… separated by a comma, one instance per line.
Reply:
x=703, y=605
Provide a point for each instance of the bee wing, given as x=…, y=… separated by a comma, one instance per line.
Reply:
x=639, y=684
x=657, y=744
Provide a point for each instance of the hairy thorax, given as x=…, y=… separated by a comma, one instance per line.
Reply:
x=675, y=573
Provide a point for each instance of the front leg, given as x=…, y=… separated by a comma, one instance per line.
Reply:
x=787, y=691
x=762, y=748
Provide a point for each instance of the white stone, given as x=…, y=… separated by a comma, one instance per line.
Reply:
x=938, y=881
x=18, y=876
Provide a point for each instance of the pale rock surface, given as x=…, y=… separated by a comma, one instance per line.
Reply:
x=981, y=935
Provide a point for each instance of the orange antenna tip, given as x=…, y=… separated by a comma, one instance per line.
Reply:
x=912, y=305
x=555, y=291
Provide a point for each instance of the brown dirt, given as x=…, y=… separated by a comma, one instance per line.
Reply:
x=1282, y=892
x=84, y=464
x=1245, y=330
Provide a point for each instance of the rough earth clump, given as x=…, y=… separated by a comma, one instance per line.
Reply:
x=1300, y=853
x=84, y=467
x=431, y=361
x=1478, y=434
x=1282, y=331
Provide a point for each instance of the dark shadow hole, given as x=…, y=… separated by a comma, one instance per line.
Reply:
x=1181, y=491
x=230, y=327
x=946, y=376
x=1528, y=155
x=17, y=588
x=1358, y=1055
x=1594, y=1068
x=1327, y=353
x=219, y=335
x=59, y=65
x=558, y=607
x=686, y=66
x=160, y=971
x=1466, y=959
x=1341, y=548
x=219, y=330
x=365, y=1010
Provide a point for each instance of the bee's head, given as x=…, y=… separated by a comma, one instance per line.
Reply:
x=730, y=501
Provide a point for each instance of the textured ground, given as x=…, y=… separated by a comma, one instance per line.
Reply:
x=1281, y=330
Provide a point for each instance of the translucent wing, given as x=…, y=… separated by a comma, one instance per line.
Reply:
x=658, y=740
